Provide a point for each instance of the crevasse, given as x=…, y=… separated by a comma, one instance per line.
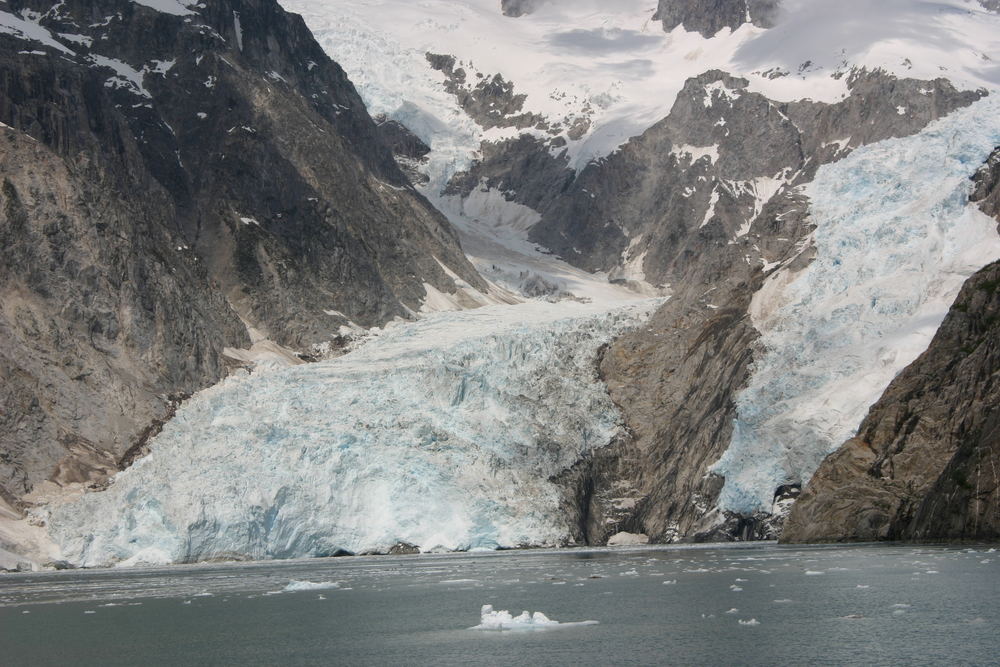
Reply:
x=441, y=433
x=895, y=239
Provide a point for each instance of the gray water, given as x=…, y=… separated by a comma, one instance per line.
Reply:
x=868, y=605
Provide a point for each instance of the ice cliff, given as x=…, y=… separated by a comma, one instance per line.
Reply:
x=441, y=433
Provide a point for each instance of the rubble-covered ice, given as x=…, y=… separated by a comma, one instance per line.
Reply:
x=441, y=433
x=504, y=620
x=895, y=239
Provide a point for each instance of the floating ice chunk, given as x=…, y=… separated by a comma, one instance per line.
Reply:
x=296, y=585
x=734, y=610
x=901, y=606
x=670, y=583
x=503, y=620
x=752, y=621
x=813, y=573
x=863, y=586
x=459, y=581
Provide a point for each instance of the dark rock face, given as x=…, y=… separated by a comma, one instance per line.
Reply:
x=517, y=8
x=924, y=463
x=703, y=201
x=992, y=5
x=491, y=102
x=408, y=149
x=164, y=177
x=710, y=16
x=986, y=186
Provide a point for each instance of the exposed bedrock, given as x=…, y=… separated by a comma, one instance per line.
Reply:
x=710, y=16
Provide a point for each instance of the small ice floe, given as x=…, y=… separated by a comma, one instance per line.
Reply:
x=782, y=601
x=863, y=586
x=28, y=612
x=738, y=580
x=734, y=588
x=459, y=581
x=900, y=605
x=898, y=612
x=629, y=573
x=752, y=621
x=296, y=585
x=853, y=616
x=320, y=597
x=813, y=573
x=203, y=594
x=503, y=620
x=670, y=582
x=733, y=611
x=90, y=612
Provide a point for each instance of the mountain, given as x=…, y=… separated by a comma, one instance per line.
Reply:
x=725, y=227
x=181, y=181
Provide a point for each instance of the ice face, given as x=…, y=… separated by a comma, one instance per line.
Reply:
x=441, y=433
x=895, y=239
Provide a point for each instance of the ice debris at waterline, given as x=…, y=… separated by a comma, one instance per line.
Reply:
x=441, y=433
x=295, y=585
x=503, y=620
x=895, y=240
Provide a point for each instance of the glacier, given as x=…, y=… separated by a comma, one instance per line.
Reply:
x=895, y=238
x=442, y=433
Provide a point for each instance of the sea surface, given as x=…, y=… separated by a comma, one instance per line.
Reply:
x=711, y=605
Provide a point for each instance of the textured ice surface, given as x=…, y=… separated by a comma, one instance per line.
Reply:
x=895, y=239
x=504, y=620
x=441, y=433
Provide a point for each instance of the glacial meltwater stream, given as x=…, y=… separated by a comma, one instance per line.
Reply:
x=747, y=605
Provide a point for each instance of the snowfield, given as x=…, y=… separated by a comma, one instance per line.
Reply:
x=442, y=433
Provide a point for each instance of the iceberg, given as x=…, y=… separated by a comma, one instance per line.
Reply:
x=895, y=239
x=442, y=433
x=504, y=620
x=295, y=585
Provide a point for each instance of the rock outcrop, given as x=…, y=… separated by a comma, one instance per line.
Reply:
x=174, y=173
x=516, y=8
x=986, y=186
x=711, y=16
x=924, y=464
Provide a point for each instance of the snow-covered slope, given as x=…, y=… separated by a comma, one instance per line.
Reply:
x=612, y=64
x=442, y=434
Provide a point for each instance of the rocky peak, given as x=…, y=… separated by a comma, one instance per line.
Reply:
x=710, y=16
x=515, y=8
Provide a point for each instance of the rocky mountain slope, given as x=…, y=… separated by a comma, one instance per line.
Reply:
x=179, y=179
x=923, y=465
